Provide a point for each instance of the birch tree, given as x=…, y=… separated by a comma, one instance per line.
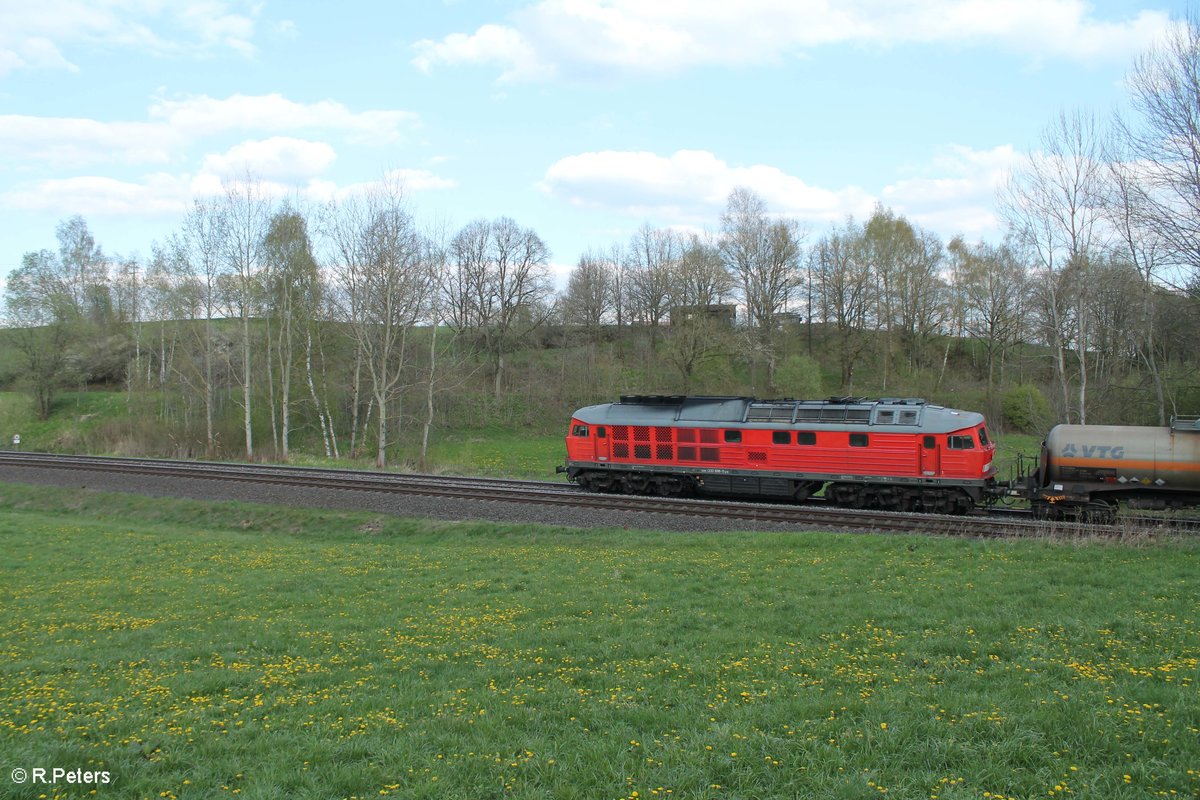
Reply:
x=382, y=262
x=293, y=297
x=199, y=249
x=247, y=211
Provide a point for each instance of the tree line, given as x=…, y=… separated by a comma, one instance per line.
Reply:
x=353, y=323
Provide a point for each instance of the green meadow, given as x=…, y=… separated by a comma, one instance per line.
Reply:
x=197, y=650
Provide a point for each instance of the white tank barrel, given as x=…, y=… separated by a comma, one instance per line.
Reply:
x=1126, y=456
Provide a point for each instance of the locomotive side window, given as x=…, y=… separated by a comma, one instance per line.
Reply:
x=806, y=437
x=781, y=437
x=858, y=440
x=579, y=430
x=961, y=442
x=983, y=437
x=733, y=437
x=930, y=443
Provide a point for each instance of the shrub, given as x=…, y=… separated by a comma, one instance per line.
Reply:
x=1024, y=408
x=799, y=376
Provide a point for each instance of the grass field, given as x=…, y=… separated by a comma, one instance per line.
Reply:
x=195, y=650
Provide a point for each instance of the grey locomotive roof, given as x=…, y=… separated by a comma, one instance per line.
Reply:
x=900, y=414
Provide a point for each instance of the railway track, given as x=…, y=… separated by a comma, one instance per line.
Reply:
x=490, y=490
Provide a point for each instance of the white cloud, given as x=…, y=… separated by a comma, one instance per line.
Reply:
x=421, y=180
x=956, y=192
x=67, y=141
x=952, y=194
x=689, y=186
x=34, y=34
x=96, y=195
x=204, y=115
x=291, y=166
x=581, y=37
x=278, y=159
x=174, y=125
x=489, y=44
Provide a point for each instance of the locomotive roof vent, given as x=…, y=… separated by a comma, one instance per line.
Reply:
x=902, y=401
x=652, y=399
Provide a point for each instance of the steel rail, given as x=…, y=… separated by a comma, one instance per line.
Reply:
x=1012, y=523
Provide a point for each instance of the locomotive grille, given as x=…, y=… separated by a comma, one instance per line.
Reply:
x=710, y=454
x=641, y=451
x=620, y=450
x=621, y=432
x=641, y=433
x=687, y=454
x=662, y=434
x=686, y=435
x=708, y=436
x=755, y=455
x=663, y=452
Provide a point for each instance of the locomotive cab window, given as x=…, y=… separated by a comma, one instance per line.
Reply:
x=858, y=440
x=579, y=430
x=601, y=433
x=733, y=436
x=781, y=437
x=930, y=443
x=961, y=442
x=983, y=437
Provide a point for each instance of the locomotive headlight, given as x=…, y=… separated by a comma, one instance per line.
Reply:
x=987, y=467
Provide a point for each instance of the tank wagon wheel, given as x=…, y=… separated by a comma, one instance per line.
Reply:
x=1044, y=510
x=1099, y=512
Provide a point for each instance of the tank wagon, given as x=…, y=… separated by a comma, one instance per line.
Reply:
x=1087, y=470
x=892, y=453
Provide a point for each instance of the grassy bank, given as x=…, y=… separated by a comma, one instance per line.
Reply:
x=100, y=423
x=197, y=650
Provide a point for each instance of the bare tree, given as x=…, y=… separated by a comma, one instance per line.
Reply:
x=499, y=286
x=844, y=287
x=911, y=299
x=247, y=211
x=991, y=284
x=700, y=277
x=590, y=297
x=199, y=249
x=764, y=257
x=1052, y=204
x=383, y=265
x=649, y=260
x=1131, y=214
x=1164, y=137
x=700, y=282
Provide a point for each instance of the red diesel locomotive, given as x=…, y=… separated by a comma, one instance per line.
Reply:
x=893, y=454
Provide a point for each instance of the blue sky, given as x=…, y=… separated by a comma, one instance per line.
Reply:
x=583, y=119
